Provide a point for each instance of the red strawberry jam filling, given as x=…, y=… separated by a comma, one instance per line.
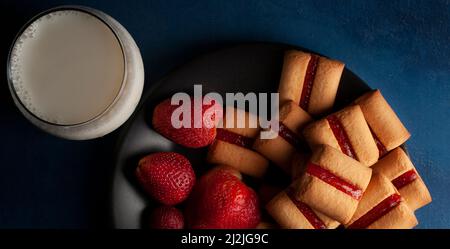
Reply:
x=405, y=179
x=341, y=136
x=308, y=81
x=377, y=212
x=325, y=175
x=381, y=148
x=234, y=138
x=292, y=138
x=309, y=214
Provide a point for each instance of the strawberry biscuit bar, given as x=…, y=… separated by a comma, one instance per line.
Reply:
x=311, y=81
x=398, y=168
x=281, y=149
x=387, y=129
x=290, y=213
x=347, y=131
x=233, y=146
x=382, y=207
x=332, y=184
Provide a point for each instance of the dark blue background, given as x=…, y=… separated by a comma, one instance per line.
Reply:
x=401, y=47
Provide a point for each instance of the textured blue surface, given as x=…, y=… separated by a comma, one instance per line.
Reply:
x=401, y=47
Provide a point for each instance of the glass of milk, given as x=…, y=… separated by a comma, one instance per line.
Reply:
x=75, y=72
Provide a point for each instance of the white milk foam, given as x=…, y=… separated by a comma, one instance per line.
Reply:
x=67, y=67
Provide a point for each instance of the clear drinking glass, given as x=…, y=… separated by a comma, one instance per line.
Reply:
x=124, y=103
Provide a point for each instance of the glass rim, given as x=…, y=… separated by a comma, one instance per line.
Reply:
x=86, y=10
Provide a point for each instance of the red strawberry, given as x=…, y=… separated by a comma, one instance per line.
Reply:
x=220, y=200
x=166, y=176
x=191, y=136
x=166, y=217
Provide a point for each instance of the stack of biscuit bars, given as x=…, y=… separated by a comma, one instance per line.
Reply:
x=347, y=168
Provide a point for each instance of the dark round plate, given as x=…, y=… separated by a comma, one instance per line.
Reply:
x=244, y=68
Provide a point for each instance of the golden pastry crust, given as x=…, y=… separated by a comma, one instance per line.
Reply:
x=393, y=164
x=396, y=163
x=401, y=217
x=359, y=134
x=292, y=75
x=416, y=194
x=278, y=150
x=294, y=117
x=342, y=166
x=357, y=130
x=324, y=198
x=329, y=223
x=325, y=86
x=378, y=190
x=247, y=118
x=318, y=133
x=244, y=160
x=287, y=215
x=298, y=166
x=382, y=119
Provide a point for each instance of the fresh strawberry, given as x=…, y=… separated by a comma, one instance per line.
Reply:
x=220, y=200
x=199, y=132
x=166, y=217
x=166, y=176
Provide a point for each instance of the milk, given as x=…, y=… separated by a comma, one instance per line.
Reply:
x=67, y=67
